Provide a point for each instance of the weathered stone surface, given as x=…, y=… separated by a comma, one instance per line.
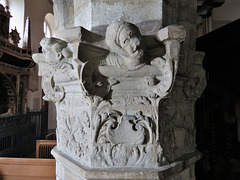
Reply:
x=117, y=103
x=177, y=112
x=96, y=15
x=107, y=105
x=182, y=169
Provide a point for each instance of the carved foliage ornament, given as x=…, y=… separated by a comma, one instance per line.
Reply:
x=107, y=92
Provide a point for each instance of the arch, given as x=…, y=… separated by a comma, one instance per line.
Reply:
x=8, y=96
x=48, y=25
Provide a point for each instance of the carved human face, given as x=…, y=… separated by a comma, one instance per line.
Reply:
x=131, y=41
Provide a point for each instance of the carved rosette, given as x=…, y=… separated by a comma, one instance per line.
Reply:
x=107, y=99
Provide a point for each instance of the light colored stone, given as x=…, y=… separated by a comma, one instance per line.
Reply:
x=107, y=105
x=126, y=114
x=69, y=169
x=171, y=32
x=96, y=15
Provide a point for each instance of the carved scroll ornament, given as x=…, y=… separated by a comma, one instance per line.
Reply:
x=107, y=92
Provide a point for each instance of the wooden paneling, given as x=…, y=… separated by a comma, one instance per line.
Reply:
x=19, y=132
x=27, y=169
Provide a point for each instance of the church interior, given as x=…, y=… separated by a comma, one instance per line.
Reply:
x=28, y=123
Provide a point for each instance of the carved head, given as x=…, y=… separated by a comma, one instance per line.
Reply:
x=55, y=49
x=125, y=39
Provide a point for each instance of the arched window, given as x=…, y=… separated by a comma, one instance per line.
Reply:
x=47, y=29
x=48, y=25
x=3, y=2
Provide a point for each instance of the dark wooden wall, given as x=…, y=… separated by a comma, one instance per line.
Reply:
x=216, y=121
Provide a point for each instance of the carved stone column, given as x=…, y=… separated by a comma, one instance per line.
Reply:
x=113, y=119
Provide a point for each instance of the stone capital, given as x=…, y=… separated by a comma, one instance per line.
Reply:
x=107, y=92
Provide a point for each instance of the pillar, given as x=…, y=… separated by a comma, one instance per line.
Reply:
x=124, y=101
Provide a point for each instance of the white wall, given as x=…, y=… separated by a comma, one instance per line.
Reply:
x=17, y=8
x=37, y=10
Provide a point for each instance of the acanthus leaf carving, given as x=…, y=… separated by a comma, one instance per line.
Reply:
x=116, y=128
x=107, y=101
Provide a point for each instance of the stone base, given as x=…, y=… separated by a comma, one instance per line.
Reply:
x=67, y=168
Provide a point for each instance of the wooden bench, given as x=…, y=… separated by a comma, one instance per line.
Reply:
x=27, y=169
x=44, y=147
x=51, y=136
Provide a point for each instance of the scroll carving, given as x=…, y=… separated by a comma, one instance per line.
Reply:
x=128, y=129
x=107, y=93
